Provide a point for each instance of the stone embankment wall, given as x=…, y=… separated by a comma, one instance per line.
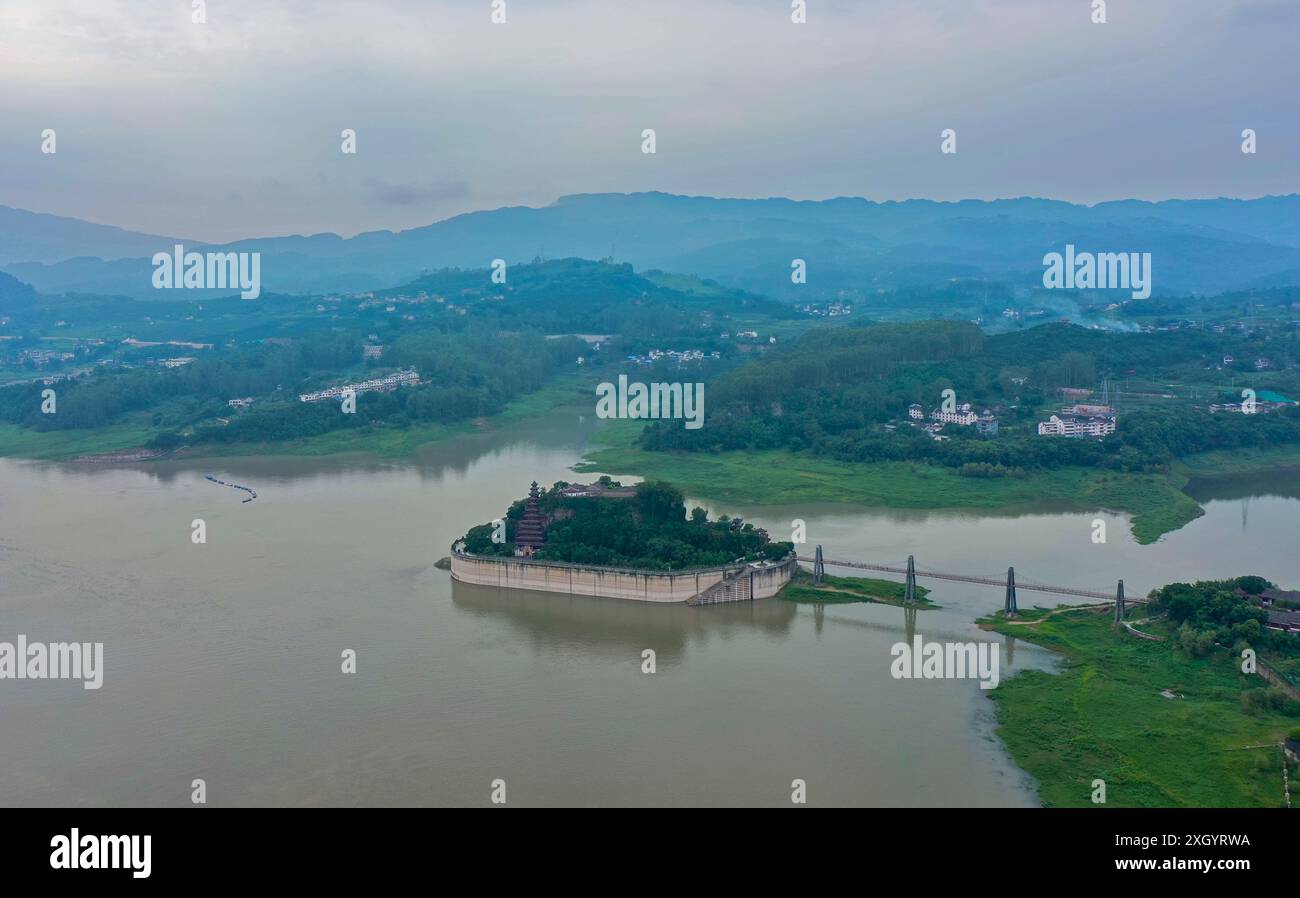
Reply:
x=614, y=583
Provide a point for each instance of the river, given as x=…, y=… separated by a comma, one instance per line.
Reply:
x=222, y=661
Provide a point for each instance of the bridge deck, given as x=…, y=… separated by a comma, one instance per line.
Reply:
x=987, y=581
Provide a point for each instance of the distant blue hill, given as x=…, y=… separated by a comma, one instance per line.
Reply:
x=852, y=246
x=14, y=293
x=38, y=237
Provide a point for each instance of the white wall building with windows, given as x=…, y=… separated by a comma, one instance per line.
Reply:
x=1067, y=425
x=962, y=415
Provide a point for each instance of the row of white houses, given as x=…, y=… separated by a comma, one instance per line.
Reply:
x=962, y=415
x=391, y=382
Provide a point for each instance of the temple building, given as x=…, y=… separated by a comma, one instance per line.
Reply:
x=598, y=490
x=530, y=534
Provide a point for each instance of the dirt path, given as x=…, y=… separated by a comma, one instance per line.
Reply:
x=1054, y=612
x=866, y=597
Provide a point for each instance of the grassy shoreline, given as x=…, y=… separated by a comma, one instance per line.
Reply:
x=1156, y=502
x=1242, y=461
x=1103, y=716
x=63, y=445
x=845, y=590
x=379, y=442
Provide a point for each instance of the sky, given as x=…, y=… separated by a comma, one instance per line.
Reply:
x=231, y=128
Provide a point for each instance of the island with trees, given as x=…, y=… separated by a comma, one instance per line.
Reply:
x=623, y=542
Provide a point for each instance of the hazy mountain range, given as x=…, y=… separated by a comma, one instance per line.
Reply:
x=852, y=246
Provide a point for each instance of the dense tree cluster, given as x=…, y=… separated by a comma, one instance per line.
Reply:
x=650, y=531
x=1211, y=612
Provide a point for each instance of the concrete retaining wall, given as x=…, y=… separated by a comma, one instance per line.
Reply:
x=614, y=583
x=1276, y=679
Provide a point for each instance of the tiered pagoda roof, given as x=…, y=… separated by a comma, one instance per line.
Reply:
x=531, y=530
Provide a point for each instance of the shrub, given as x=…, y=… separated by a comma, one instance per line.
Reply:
x=1270, y=700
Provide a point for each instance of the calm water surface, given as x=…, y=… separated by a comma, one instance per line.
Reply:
x=222, y=661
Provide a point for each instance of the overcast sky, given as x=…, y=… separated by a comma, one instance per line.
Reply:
x=231, y=128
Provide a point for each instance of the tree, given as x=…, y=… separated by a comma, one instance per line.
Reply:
x=1252, y=584
x=660, y=501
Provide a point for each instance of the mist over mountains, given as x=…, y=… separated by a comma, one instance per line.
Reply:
x=38, y=237
x=853, y=247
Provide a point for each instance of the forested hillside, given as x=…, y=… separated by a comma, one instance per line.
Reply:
x=475, y=344
x=834, y=393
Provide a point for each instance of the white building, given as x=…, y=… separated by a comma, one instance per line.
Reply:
x=962, y=415
x=1068, y=425
x=385, y=384
x=915, y=412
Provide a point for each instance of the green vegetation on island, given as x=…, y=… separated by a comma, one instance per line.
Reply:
x=644, y=527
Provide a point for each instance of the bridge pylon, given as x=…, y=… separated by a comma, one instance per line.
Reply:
x=1009, y=608
x=818, y=567
x=909, y=591
x=1119, y=603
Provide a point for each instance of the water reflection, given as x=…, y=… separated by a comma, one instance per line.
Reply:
x=1284, y=484
x=562, y=436
x=617, y=628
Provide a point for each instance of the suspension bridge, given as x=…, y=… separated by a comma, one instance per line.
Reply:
x=1013, y=586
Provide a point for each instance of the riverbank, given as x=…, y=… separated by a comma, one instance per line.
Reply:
x=65, y=445
x=1239, y=461
x=1160, y=728
x=843, y=590
x=567, y=392
x=1156, y=502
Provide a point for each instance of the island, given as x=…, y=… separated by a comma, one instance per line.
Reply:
x=636, y=542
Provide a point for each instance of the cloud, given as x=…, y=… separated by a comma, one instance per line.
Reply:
x=159, y=119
